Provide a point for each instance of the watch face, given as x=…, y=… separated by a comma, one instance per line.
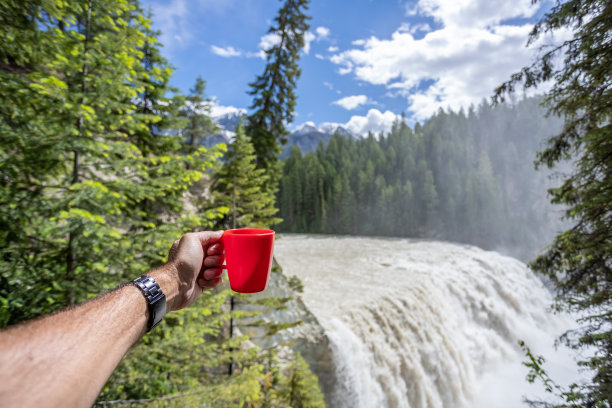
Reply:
x=157, y=311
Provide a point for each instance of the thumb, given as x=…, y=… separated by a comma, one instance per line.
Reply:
x=173, y=251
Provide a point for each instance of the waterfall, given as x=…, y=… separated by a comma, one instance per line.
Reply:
x=424, y=323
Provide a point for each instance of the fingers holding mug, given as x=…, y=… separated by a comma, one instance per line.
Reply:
x=210, y=278
x=213, y=261
x=215, y=249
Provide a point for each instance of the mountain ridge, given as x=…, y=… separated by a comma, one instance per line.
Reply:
x=305, y=136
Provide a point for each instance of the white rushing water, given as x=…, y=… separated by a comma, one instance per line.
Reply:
x=424, y=324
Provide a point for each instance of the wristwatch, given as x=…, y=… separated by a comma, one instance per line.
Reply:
x=156, y=300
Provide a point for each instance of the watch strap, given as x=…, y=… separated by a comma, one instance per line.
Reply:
x=156, y=300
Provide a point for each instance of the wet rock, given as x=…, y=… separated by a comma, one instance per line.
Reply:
x=308, y=337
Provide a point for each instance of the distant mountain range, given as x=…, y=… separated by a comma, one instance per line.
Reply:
x=306, y=136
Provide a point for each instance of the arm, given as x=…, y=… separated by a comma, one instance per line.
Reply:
x=66, y=358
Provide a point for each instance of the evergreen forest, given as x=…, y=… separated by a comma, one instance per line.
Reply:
x=460, y=176
x=101, y=169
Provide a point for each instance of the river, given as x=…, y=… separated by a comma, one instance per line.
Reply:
x=425, y=323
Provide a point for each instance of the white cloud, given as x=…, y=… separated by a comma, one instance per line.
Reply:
x=322, y=32
x=319, y=34
x=269, y=40
x=453, y=66
x=217, y=110
x=413, y=29
x=346, y=69
x=411, y=9
x=476, y=13
x=375, y=121
x=352, y=102
x=328, y=85
x=333, y=48
x=259, y=54
x=169, y=18
x=225, y=52
x=265, y=43
x=308, y=38
x=174, y=18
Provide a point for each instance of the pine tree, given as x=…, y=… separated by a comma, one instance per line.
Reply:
x=68, y=165
x=197, y=112
x=239, y=187
x=485, y=201
x=158, y=104
x=293, y=385
x=82, y=151
x=93, y=188
x=274, y=90
x=579, y=261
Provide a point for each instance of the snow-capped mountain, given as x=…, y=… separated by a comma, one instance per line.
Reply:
x=230, y=120
x=306, y=136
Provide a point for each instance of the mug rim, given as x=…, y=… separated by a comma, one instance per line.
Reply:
x=249, y=231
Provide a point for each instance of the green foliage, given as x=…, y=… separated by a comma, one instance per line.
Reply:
x=75, y=173
x=274, y=90
x=91, y=187
x=303, y=386
x=197, y=112
x=449, y=178
x=579, y=261
x=571, y=396
x=94, y=188
x=292, y=385
x=296, y=284
x=190, y=354
x=239, y=186
x=158, y=104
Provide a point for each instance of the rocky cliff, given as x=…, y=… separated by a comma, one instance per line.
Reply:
x=307, y=338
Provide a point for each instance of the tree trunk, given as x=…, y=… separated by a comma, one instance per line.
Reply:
x=231, y=335
x=234, y=204
x=70, y=261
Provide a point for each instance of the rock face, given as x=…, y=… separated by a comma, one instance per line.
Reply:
x=307, y=338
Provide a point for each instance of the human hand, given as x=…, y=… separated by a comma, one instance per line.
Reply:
x=194, y=264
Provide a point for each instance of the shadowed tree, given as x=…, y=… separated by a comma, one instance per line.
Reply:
x=239, y=186
x=274, y=91
x=197, y=110
x=579, y=261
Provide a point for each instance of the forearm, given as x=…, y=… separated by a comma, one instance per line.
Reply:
x=65, y=359
x=70, y=355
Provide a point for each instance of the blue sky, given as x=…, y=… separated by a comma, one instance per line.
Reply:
x=366, y=61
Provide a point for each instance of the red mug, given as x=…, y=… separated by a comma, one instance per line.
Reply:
x=248, y=258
